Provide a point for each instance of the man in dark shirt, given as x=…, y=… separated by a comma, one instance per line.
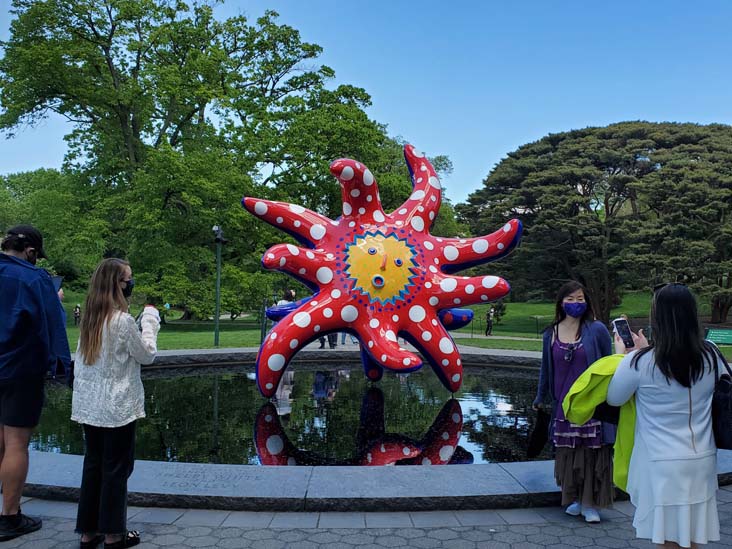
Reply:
x=489, y=315
x=32, y=342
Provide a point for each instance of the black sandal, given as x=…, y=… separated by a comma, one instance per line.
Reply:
x=92, y=543
x=130, y=540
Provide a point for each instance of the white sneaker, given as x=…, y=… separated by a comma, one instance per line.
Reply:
x=590, y=514
x=574, y=509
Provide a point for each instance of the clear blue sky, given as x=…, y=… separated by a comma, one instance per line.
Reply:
x=474, y=80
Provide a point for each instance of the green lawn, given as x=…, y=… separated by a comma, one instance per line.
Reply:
x=190, y=339
x=498, y=343
x=520, y=320
x=175, y=336
x=519, y=345
x=529, y=319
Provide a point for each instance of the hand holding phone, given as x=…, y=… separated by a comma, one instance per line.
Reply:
x=622, y=328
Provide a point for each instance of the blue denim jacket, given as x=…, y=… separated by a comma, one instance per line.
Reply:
x=32, y=327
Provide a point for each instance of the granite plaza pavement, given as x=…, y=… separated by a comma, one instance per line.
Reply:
x=490, y=529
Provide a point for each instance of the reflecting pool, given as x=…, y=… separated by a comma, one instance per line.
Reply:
x=325, y=416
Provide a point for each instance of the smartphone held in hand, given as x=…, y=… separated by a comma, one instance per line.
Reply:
x=622, y=328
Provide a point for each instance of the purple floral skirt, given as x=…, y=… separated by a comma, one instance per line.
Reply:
x=569, y=435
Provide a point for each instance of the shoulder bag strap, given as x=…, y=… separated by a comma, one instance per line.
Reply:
x=722, y=358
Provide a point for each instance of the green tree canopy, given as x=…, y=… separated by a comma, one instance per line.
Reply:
x=175, y=116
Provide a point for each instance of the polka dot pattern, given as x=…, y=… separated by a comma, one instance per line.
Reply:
x=446, y=345
x=302, y=319
x=276, y=362
x=451, y=253
x=349, y=313
x=417, y=313
x=275, y=444
x=324, y=275
x=480, y=246
x=317, y=232
x=448, y=284
x=347, y=173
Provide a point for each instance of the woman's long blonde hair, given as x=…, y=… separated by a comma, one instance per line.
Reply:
x=103, y=299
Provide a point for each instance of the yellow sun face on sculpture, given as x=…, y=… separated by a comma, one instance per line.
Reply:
x=381, y=266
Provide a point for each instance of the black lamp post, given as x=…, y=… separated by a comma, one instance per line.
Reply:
x=220, y=241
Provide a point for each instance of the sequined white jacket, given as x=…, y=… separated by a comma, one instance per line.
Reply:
x=109, y=393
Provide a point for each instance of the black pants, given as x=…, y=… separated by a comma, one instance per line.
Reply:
x=108, y=463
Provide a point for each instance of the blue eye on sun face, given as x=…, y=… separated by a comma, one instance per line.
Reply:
x=372, y=251
x=398, y=262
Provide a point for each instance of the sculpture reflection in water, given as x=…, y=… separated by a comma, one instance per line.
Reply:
x=375, y=446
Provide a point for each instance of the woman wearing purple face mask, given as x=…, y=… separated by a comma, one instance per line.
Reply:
x=583, y=463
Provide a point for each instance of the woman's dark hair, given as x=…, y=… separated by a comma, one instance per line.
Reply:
x=678, y=344
x=559, y=314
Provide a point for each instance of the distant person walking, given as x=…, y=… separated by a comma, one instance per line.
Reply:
x=287, y=298
x=583, y=464
x=343, y=338
x=672, y=477
x=77, y=314
x=108, y=399
x=489, y=316
x=32, y=342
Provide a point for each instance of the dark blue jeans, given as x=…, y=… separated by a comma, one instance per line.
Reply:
x=108, y=463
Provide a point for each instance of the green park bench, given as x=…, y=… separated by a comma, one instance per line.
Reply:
x=720, y=336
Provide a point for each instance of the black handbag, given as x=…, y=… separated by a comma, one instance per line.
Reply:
x=539, y=435
x=606, y=413
x=722, y=405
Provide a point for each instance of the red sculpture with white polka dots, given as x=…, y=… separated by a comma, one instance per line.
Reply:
x=378, y=275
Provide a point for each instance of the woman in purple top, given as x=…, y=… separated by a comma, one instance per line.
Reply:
x=583, y=462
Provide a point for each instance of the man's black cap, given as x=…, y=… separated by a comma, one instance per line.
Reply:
x=31, y=235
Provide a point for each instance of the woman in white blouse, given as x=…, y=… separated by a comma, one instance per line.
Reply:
x=108, y=399
x=672, y=479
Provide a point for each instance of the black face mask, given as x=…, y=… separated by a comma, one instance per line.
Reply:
x=127, y=291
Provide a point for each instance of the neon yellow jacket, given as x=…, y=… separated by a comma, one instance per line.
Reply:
x=586, y=393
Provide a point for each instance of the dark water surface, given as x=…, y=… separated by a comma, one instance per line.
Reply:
x=329, y=416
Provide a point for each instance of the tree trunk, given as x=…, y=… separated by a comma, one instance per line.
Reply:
x=720, y=309
x=605, y=299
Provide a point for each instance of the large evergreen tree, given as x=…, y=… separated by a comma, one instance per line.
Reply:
x=629, y=204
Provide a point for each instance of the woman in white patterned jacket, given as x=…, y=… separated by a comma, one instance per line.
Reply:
x=108, y=399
